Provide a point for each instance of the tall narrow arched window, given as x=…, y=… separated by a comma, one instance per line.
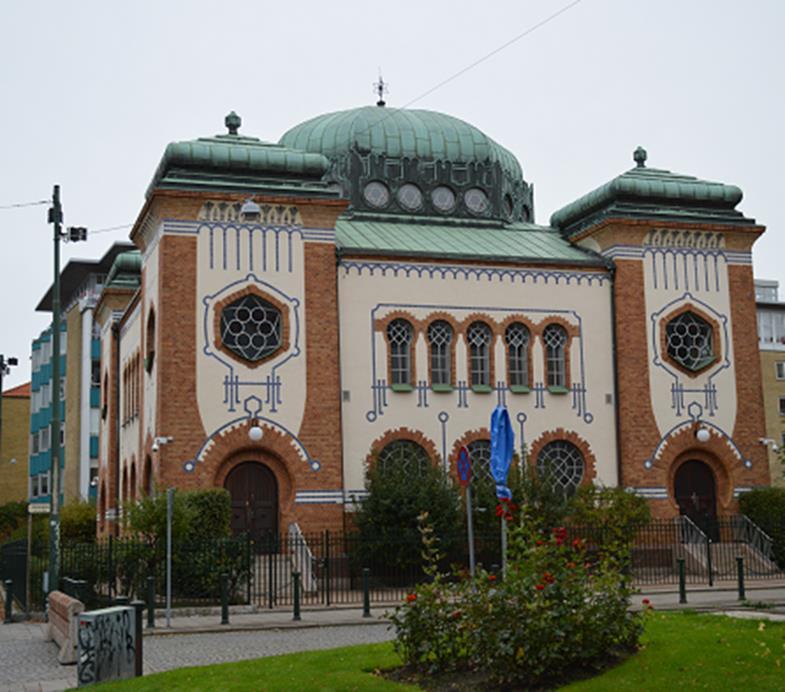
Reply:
x=517, y=340
x=479, y=338
x=555, y=339
x=150, y=342
x=440, y=343
x=399, y=336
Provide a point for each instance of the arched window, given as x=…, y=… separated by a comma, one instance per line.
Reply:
x=440, y=341
x=132, y=483
x=399, y=335
x=479, y=338
x=480, y=455
x=555, y=338
x=150, y=342
x=147, y=477
x=404, y=455
x=517, y=339
x=561, y=464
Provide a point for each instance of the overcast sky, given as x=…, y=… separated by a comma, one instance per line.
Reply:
x=93, y=91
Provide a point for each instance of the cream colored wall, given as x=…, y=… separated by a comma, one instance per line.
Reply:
x=534, y=294
x=275, y=268
x=106, y=359
x=670, y=283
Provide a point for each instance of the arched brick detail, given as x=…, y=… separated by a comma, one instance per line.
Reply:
x=402, y=434
x=533, y=332
x=494, y=327
x=572, y=331
x=275, y=450
x=716, y=452
x=417, y=329
x=456, y=332
x=248, y=291
x=716, y=338
x=589, y=461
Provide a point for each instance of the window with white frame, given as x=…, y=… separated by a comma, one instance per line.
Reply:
x=517, y=339
x=43, y=483
x=440, y=339
x=34, y=442
x=561, y=464
x=34, y=490
x=771, y=327
x=399, y=336
x=555, y=339
x=782, y=405
x=780, y=370
x=479, y=337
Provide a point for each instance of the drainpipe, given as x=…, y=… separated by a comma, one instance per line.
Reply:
x=614, y=355
x=86, y=308
x=116, y=377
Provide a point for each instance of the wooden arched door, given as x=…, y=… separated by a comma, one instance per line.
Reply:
x=696, y=495
x=254, y=492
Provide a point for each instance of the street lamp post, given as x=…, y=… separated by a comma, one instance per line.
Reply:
x=73, y=234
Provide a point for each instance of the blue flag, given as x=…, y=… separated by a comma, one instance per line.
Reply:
x=502, y=446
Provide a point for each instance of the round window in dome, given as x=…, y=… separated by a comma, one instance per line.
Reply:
x=410, y=197
x=476, y=200
x=443, y=198
x=377, y=194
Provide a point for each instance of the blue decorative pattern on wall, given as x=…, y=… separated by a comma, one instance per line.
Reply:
x=271, y=386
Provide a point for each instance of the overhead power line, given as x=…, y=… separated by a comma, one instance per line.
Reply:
x=24, y=204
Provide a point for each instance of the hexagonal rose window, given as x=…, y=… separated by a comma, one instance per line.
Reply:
x=690, y=341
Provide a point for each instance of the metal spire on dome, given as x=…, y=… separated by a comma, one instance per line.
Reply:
x=640, y=156
x=381, y=88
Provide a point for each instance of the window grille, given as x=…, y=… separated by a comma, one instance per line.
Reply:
x=479, y=338
x=251, y=328
x=480, y=455
x=399, y=335
x=517, y=338
x=405, y=455
x=561, y=464
x=555, y=339
x=440, y=339
x=690, y=341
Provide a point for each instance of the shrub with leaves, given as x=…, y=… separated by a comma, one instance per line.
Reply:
x=766, y=507
x=77, y=523
x=554, y=612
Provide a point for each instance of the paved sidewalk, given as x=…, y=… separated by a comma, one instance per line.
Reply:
x=28, y=663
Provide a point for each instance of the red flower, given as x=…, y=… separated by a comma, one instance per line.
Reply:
x=577, y=544
x=508, y=516
x=540, y=542
x=560, y=532
x=491, y=577
x=539, y=587
x=571, y=565
x=455, y=614
x=411, y=598
x=499, y=510
x=646, y=601
x=548, y=578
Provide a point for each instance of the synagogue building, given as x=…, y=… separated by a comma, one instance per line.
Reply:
x=370, y=287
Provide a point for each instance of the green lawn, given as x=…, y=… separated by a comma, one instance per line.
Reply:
x=680, y=651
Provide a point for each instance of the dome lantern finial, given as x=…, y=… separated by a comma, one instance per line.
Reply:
x=233, y=122
x=381, y=88
x=640, y=156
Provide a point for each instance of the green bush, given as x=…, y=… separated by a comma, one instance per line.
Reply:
x=555, y=612
x=12, y=515
x=766, y=507
x=77, y=523
x=386, y=520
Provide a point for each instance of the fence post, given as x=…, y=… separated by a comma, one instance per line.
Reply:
x=366, y=593
x=111, y=569
x=740, y=572
x=270, y=592
x=708, y=561
x=138, y=606
x=327, y=564
x=224, y=599
x=251, y=564
x=682, y=581
x=151, y=602
x=122, y=601
x=296, y=587
x=9, y=601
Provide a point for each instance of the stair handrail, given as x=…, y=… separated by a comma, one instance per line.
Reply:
x=303, y=559
x=756, y=537
x=690, y=531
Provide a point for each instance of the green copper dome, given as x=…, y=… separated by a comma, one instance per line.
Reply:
x=409, y=157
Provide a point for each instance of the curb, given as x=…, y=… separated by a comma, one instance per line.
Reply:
x=260, y=626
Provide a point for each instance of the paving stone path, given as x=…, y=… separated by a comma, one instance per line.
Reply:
x=29, y=663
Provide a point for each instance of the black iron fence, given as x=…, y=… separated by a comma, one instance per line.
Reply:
x=332, y=566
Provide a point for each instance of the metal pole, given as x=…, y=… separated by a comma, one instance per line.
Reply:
x=138, y=607
x=296, y=586
x=504, y=547
x=2, y=372
x=150, y=602
x=224, y=599
x=366, y=593
x=708, y=561
x=169, y=510
x=682, y=581
x=470, y=528
x=740, y=572
x=9, y=601
x=55, y=217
